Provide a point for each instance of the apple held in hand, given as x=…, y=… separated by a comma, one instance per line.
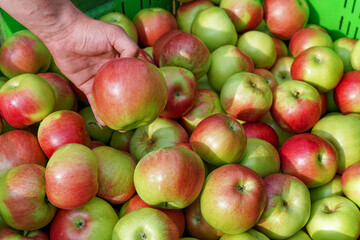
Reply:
x=23, y=52
x=350, y=182
x=22, y=198
x=233, y=198
x=219, y=139
x=26, y=99
x=160, y=177
x=71, y=171
x=129, y=93
x=347, y=93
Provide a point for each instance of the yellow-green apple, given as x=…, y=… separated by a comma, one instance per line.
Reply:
x=120, y=19
x=331, y=188
x=146, y=223
x=93, y=221
x=233, y=198
x=246, y=15
x=203, y=82
x=196, y=225
x=9, y=233
x=151, y=23
x=146, y=56
x=285, y=17
x=182, y=49
x=250, y=234
x=64, y=95
x=71, y=176
x=214, y=28
x=296, y=106
x=26, y=99
x=310, y=158
x=62, y=127
x=23, y=52
x=308, y=37
x=135, y=202
x=149, y=50
x=316, y=26
x=262, y=27
x=260, y=47
x=282, y=68
x=219, y=139
x=226, y=61
x=115, y=175
x=22, y=198
x=343, y=47
x=93, y=128
x=261, y=156
x=186, y=13
x=281, y=133
x=323, y=103
x=287, y=207
x=347, y=93
x=161, y=133
x=300, y=235
x=350, y=182
x=246, y=96
x=268, y=77
x=330, y=102
x=121, y=140
x=341, y=131
x=334, y=218
x=160, y=177
x=282, y=49
x=116, y=86
x=19, y=147
x=355, y=56
x=262, y=131
x=182, y=87
x=319, y=66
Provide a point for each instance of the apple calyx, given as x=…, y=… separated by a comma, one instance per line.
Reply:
x=241, y=188
x=296, y=94
x=329, y=210
x=79, y=223
x=319, y=158
x=143, y=236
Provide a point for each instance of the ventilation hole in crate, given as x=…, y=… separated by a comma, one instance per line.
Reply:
x=341, y=22
x=356, y=31
x=345, y=2
x=141, y=4
x=348, y=28
x=149, y=2
x=353, y=8
x=123, y=7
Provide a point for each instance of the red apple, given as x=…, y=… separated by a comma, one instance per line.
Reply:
x=262, y=131
x=268, y=77
x=347, y=93
x=8, y=233
x=350, y=182
x=95, y=144
x=281, y=47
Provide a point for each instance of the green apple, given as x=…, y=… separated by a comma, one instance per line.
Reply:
x=300, y=235
x=331, y=188
x=355, y=56
x=343, y=47
x=330, y=102
x=121, y=140
x=251, y=234
x=281, y=69
x=334, y=218
x=203, y=83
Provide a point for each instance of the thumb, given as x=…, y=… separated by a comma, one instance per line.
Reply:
x=124, y=44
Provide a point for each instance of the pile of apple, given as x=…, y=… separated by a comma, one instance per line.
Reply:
x=238, y=121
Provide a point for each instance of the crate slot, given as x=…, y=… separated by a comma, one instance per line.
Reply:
x=141, y=4
x=341, y=22
x=353, y=8
x=123, y=7
x=345, y=2
x=356, y=31
x=348, y=28
x=149, y=2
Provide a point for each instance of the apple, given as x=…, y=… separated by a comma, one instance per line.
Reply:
x=135, y=202
x=287, y=208
x=64, y=95
x=8, y=233
x=93, y=128
x=319, y=66
x=182, y=49
x=261, y=156
x=115, y=175
x=308, y=37
x=296, y=106
x=347, y=92
x=161, y=175
x=246, y=96
x=93, y=221
x=343, y=47
x=268, y=77
x=214, y=28
x=121, y=140
x=22, y=198
x=331, y=188
x=350, y=182
x=341, y=131
x=226, y=61
x=145, y=223
x=233, y=198
x=300, y=235
x=285, y=17
x=282, y=49
x=262, y=131
x=246, y=15
x=355, y=56
x=116, y=86
x=19, y=147
x=149, y=50
x=23, y=52
x=203, y=83
x=334, y=218
x=219, y=139
x=95, y=144
x=262, y=27
x=330, y=102
x=146, y=56
x=26, y=99
x=260, y=47
x=3, y=80
x=316, y=26
x=186, y=13
x=62, y=127
x=251, y=234
x=310, y=158
x=159, y=134
x=151, y=23
x=282, y=69
x=182, y=87
x=71, y=171
x=120, y=19
x=323, y=103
